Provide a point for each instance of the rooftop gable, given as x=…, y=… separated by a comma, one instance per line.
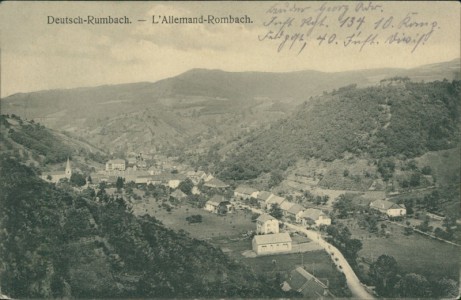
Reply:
x=245, y=190
x=312, y=213
x=265, y=217
x=272, y=238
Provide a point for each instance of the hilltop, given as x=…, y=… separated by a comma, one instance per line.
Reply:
x=399, y=118
x=195, y=109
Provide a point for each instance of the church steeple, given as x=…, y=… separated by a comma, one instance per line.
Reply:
x=68, y=169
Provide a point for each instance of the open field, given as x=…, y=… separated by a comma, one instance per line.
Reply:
x=212, y=225
x=415, y=253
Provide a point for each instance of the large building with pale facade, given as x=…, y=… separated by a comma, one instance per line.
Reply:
x=116, y=164
x=272, y=243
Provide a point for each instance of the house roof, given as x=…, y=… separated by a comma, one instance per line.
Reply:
x=116, y=161
x=296, y=208
x=164, y=177
x=272, y=238
x=273, y=199
x=178, y=194
x=384, y=204
x=53, y=173
x=193, y=173
x=312, y=213
x=264, y=195
x=245, y=190
x=265, y=217
x=218, y=199
x=212, y=202
x=286, y=205
x=303, y=282
x=216, y=183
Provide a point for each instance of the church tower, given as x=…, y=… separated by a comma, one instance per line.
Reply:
x=68, y=169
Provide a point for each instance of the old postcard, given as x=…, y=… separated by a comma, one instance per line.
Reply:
x=230, y=149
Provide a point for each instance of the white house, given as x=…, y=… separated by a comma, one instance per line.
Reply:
x=313, y=216
x=175, y=179
x=244, y=192
x=262, y=197
x=390, y=208
x=273, y=199
x=285, y=206
x=212, y=206
x=266, y=224
x=215, y=183
x=116, y=164
x=196, y=176
x=219, y=204
x=195, y=191
x=178, y=194
x=271, y=243
x=154, y=170
x=296, y=212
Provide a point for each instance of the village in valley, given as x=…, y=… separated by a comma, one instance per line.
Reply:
x=249, y=224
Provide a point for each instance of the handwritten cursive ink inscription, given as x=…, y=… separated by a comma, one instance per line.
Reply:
x=356, y=25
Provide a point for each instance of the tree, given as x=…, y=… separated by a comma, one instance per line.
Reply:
x=343, y=206
x=77, y=179
x=413, y=286
x=276, y=211
x=385, y=274
x=447, y=288
x=426, y=170
x=119, y=184
x=254, y=217
x=194, y=219
x=424, y=226
x=415, y=179
x=186, y=186
x=352, y=248
x=275, y=179
x=386, y=167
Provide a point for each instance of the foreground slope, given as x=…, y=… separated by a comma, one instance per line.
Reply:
x=55, y=243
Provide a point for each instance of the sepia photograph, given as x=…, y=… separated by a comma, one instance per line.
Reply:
x=230, y=149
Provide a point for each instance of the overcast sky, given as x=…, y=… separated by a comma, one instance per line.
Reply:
x=37, y=56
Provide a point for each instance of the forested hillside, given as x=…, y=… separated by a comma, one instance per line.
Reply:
x=396, y=118
x=55, y=243
x=36, y=144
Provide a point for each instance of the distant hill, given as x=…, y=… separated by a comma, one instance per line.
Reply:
x=198, y=107
x=399, y=118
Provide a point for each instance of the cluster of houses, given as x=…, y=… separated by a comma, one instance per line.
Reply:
x=163, y=172
x=307, y=216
